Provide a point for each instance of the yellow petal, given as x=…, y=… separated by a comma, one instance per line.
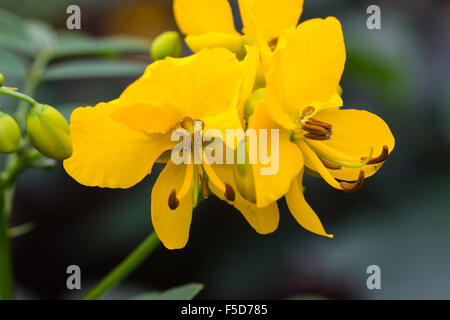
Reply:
x=108, y=154
x=271, y=187
x=354, y=131
x=171, y=226
x=196, y=17
x=228, y=120
x=273, y=16
x=301, y=210
x=204, y=84
x=232, y=42
x=148, y=118
x=306, y=68
x=263, y=220
x=249, y=67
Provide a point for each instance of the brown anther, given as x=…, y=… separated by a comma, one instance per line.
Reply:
x=188, y=124
x=317, y=137
x=205, y=192
x=230, y=195
x=315, y=129
x=381, y=158
x=173, y=201
x=319, y=123
x=350, y=187
x=273, y=44
x=329, y=165
x=307, y=111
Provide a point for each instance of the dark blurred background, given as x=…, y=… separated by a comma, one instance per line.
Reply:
x=400, y=220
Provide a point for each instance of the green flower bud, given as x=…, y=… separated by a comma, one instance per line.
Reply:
x=9, y=134
x=251, y=103
x=49, y=132
x=167, y=44
x=2, y=78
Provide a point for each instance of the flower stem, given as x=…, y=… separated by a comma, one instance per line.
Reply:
x=124, y=268
x=6, y=271
x=35, y=76
x=17, y=95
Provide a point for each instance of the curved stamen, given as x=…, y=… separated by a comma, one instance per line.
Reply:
x=381, y=158
x=326, y=149
x=320, y=168
x=174, y=198
x=201, y=175
x=225, y=188
x=315, y=129
x=346, y=164
x=329, y=165
x=351, y=187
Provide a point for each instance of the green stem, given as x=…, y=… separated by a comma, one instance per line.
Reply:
x=35, y=76
x=6, y=271
x=124, y=268
x=14, y=166
x=18, y=95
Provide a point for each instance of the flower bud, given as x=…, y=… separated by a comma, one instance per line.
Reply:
x=2, y=78
x=251, y=103
x=9, y=134
x=49, y=132
x=167, y=44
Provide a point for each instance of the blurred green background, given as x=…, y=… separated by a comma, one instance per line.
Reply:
x=400, y=220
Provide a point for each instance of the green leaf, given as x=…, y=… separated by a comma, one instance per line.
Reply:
x=11, y=66
x=14, y=35
x=94, y=69
x=185, y=292
x=41, y=33
x=82, y=45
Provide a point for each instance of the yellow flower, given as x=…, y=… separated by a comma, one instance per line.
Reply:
x=301, y=101
x=209, y=23
x=115, y=144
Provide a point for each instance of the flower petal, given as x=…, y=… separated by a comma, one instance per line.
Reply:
x=263, y=220
x=301, y=210
x=249, y=67
x=148, y=118
x=204, y=84
x=196, y=17
x=306, y=68
x=108, y=154
x=232, y=42
x=354, y=131
x=171, y=226
x=272, y=16
x=273, y=185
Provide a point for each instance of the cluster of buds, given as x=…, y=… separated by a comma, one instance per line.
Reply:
x=47, y=130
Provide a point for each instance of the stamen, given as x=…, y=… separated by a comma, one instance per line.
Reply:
x=381, y=158
x=313, y=136
x=273, y=44
x=346, y=164
x=173, y=201
x=229, y=193
x=307, y=111
x=315, y=129
x=326, y=149
x=329, y=165
x=201, y=175
x=188, y=124
x=225, y=188
x=319, y=123
x=174, y=198
x=320, y=168
x=351, y=187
